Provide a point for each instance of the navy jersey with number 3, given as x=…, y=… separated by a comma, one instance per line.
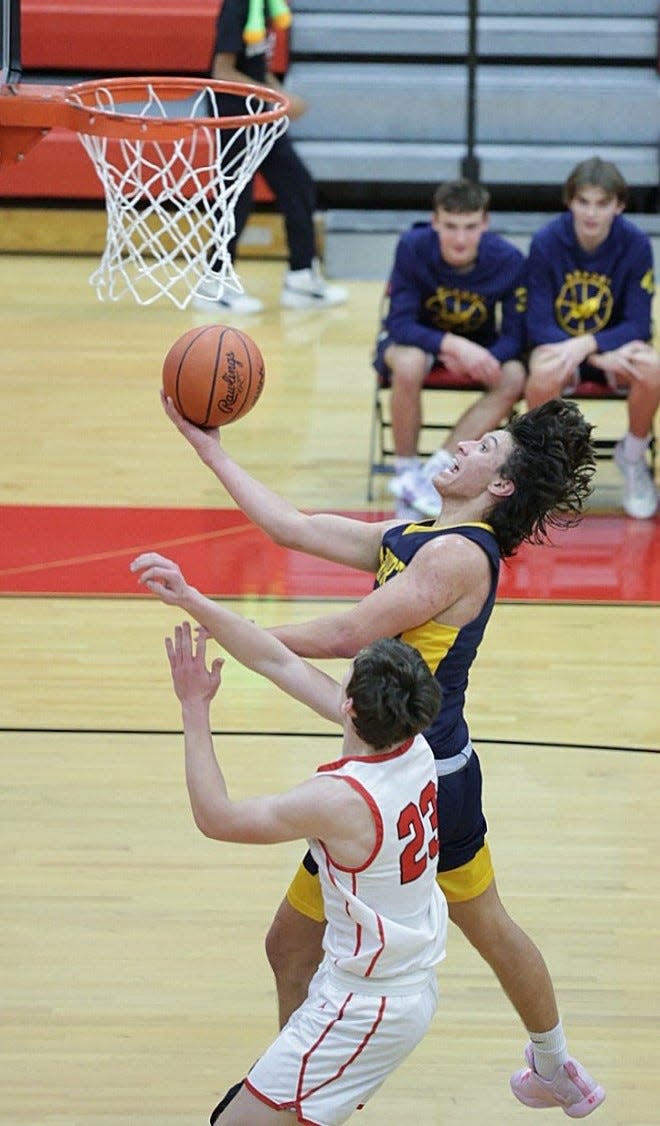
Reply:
x=448, y=650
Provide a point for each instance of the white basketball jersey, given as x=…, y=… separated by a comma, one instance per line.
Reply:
x=388, y=919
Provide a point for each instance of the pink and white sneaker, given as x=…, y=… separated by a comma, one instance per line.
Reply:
x=571, y=1088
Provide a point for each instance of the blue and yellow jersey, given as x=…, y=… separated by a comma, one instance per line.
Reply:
x=606, y=292
x=485, y=304
x=448, y=650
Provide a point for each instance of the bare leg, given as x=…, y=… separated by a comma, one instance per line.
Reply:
x=493, y=408
x=294, y=950
x=512, y=955
x=643, y=400
x=409, y=367
x=545, y=380
x=247, y=1110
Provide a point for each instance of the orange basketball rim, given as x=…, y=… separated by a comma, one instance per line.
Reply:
x=173, y=156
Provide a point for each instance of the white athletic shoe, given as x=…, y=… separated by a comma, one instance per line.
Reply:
x=404, y=482
x=209, y=296
x=640, y=498
x=426, y=498
x=308, y=289
x=414, y=487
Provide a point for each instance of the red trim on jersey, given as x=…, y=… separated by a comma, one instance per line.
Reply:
x=368, y=758
x=338, y=1074
x=378, y=825
x=381, y=933
x=358, y=926
x=279, y=1106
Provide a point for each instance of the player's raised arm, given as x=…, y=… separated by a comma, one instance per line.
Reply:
x=247, y=642
x=309, y=809
x=356, y=543
x=447, y=580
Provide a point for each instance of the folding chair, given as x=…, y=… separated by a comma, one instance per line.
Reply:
x=604, y=447
x=382, y=451
x=381, y=458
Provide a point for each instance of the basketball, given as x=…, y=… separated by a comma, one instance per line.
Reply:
x=214, y=374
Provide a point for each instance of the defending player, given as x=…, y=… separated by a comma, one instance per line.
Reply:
x=370, y=819
x=435, y=588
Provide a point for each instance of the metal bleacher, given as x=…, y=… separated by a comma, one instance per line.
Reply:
x=387, y=85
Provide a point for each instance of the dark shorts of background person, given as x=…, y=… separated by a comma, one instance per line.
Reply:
x=605, y=379
x=464, y=865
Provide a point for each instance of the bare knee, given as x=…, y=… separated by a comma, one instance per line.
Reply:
x=408, y=365
x=545, y=381
x=509, y=389
x=541, y=389
x=513, y=380
x=484, y=920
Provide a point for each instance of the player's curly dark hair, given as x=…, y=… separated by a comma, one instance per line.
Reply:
x=551, y=466
x=394, y=694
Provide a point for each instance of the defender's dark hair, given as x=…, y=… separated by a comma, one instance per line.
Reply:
x=394, y=694
x=596, y=173
x=551, y=466
x=461, y=196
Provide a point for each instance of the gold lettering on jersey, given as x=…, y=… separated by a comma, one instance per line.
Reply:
x=389, y=565
x=647, y=282
x=584, y=303
x=521, y=299
x=457, y=310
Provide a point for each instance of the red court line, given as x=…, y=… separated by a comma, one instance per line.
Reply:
x=61, y=550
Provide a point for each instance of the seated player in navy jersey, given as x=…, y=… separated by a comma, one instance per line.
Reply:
x=590, y=283
x=456, y=296
x=435, y=585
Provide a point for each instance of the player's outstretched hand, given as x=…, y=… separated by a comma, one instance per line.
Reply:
x=203, y=441
x=192, y=680
x=162, y=576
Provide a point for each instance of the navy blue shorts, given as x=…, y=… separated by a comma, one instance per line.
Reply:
x=461, y=822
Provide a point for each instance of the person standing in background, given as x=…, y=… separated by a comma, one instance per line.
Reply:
x=241, y=55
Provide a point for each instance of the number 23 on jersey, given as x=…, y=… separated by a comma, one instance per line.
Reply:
x=417, y=824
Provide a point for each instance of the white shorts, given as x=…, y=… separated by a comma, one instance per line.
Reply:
x=339, y=1047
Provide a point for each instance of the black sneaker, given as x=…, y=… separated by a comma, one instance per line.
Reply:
x=231, y=1094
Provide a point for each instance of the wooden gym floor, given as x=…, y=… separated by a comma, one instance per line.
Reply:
x=135, y=984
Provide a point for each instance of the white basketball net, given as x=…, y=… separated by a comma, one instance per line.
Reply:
x=170, y=204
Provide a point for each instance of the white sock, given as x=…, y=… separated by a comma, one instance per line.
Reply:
x=634, y=448
x=301, y=273
x=550, y=1051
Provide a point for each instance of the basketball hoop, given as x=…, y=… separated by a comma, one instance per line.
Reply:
x=173, y=156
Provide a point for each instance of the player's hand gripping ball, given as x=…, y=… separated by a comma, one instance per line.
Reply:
x=214, y=374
